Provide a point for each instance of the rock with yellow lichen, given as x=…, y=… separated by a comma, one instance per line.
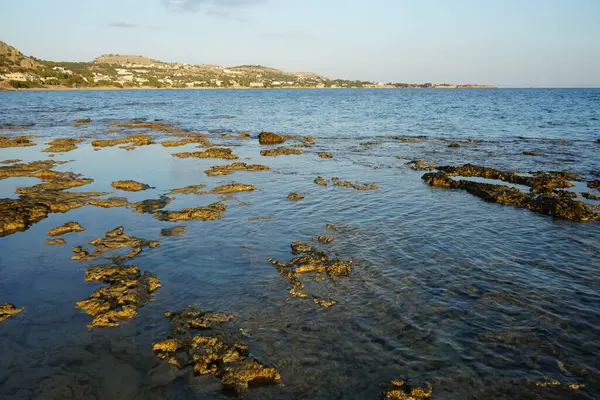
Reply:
x=114, y=239
x=126, y=291
x=7, y=310
x=211, y=212
x=237, y=166
x=401, y=391
x=66, y=228
x=130, y=186
x=209, y=354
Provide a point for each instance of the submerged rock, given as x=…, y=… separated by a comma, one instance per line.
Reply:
x=325, y=155
x=174, y=231
x=208, y=213
x=213, y=152
x=358, y=186
x=66, y=228
x=7, y=310
x=595, y=184
x=317, y=263
x=164, y=126
x=83, y=121
x=281, y=151
x=62, y=145
x=541, y=198
x=210, y=354
x=420, y=165
x=193, y=189
x=151, y=206
x=324, y=239
x=295, y=196
x=400, y=391
x=237, y=166
x=260, y=217
x=130, y=186
x=454, y=145
x=55, y=242
x=270, y=138
x=321, y=181
x=408, y=139
x=241, y=135
x=532, y=153
x=16, y=141
x=114, y=239
x=127, y=291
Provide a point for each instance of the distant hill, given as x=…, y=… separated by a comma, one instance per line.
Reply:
x=18, y=71
x=9, y=56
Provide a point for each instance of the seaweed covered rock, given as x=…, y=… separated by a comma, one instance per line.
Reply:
x=321, y=181
x=55, y=242
x=317, y=264
x=213, y=152
x=130, y=186
x=133, y=140
x=200, y=141
x=325, y=155
x=151, y=206
x=16, y=141
x=62, y=145
x=281, y=151
x=270, y=138
x=358, y=186
x=408, y=139
x=110, y=202
x=174, y=231
x=7, y=310
x=454, y=145
x=420, y=165
x=237, y=166
x=210, y=353
x=157, y=125
x=36, y=202
x=114, y=239
x=207, y=213
x=532, y=153
x=126, y=291
x=400, y=391
x=541, y=198
x=595, y=184
x=295, y=196
x=192, y=189
x=66, y=228
x=324, y=239
x=232, y=188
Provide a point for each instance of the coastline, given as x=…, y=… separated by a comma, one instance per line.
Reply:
x=111, y=88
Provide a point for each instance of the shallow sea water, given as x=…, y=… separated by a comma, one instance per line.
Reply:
x=479, y=300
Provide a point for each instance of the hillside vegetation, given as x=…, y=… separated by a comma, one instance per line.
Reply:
x=133, y=71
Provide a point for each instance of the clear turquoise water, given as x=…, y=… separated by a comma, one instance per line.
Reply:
x=477, y=299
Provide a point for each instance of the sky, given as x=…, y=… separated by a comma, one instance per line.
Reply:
x=510, y=43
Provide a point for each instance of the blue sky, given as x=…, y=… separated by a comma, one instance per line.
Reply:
x=545, y=43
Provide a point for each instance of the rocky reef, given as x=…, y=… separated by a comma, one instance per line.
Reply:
x=130, y=186
x=314, y=263
x=281, y=151
x=210, y=354
x=62, y=145
x=213, y=152
x=237, y=166
x=126, y=291
x=207, y=213
x=542, y=198
x=114, y=239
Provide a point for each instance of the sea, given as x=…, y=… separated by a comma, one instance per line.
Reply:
x=466, y=298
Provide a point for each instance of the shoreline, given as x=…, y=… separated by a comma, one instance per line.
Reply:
x=110, y=88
